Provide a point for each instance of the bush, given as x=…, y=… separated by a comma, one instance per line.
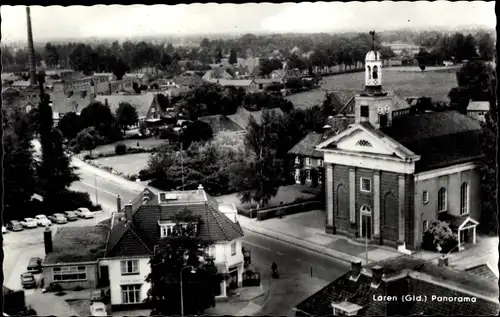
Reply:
x=88, y=157
x=440, y=233
x=97, y=207
x=54, y=287
x=120, y=149
x=71, y=200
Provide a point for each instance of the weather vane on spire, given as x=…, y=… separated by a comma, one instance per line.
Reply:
x=372, y=34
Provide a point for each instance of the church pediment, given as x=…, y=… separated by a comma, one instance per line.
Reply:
x=361, y=139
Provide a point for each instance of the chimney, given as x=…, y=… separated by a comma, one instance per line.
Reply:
x=31, y=48
x=128, y=212
x=200, y=190
x=377, y=273
x=355, y=270
x=47, y=239
x=118, y=203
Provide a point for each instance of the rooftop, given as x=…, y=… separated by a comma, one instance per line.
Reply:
x=440, y=138
x=142, y=102
x=407, y=275
x=307, y=146
x=478, y=106
x=77, y=244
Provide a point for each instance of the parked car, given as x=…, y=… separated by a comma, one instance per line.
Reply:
x=14, y=225
x=28, y=280
x=58, y=218
x=98, y=309
x=42, y=220
x=97, y=296
x=29, y=223
x=35, y=265
x=4, y=229
x=84, y=213
x=70, y=215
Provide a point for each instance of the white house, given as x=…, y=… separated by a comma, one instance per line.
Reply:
x=147, y=220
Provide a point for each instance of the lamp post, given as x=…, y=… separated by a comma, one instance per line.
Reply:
x=95, y=186
x=182, y=293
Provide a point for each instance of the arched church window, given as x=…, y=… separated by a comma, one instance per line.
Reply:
x=369, y=72
x=375, y=72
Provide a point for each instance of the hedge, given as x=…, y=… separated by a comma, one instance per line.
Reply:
x=288, y=209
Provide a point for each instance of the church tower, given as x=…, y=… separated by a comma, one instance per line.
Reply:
x=373, y=105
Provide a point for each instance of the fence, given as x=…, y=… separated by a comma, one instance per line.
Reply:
x=288, y=209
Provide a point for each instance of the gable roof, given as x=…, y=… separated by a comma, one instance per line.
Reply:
x=242, y=115
x=307, y=146
x=140, y=236
x=399, y=150
x=123, y=240
x=478, y=106
x=188, y=80
x=484, y=271
x=440, y=138
x=142, y=103
x=406, y=275
x=62, y=104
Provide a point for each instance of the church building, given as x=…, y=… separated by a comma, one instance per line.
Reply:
x=393, y=172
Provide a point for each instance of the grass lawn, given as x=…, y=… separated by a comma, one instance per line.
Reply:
x=286, y=194
x=110, y=148
x=127, y=164
x=434, y=84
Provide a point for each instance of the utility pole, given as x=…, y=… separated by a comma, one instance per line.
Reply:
x=95, y=186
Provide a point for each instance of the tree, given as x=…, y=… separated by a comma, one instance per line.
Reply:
x=126, y=115
x=486, y=47
x=422, y=59
x=18, y=165
x=51, y=55
x=119, y=68
x=475, y=82
x=99, y=116
x=259, y=179
x=218, y=55
x=488, y=171
x=181, y=255
x=69, y=125
x=268, y=65
x=195, y=132
x=233, y=59
x=83, y=58
x=88, y=139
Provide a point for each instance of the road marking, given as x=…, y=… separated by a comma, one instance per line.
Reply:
x=98, y=188
x=257, y=246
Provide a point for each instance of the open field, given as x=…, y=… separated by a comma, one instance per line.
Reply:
x=407, y=83
x=110, y=148
x=128, y=164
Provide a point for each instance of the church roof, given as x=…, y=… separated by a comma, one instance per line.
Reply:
x=440, y=138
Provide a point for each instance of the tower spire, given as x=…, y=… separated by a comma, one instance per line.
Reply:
x=31, y=49
x=372, y=34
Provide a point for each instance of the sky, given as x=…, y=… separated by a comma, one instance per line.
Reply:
x=56, y=22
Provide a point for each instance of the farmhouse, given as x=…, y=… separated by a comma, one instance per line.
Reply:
x=446, y=292
x=391, y=173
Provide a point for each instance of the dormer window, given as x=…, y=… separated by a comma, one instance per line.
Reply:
x=345, y=309
x=171, y=230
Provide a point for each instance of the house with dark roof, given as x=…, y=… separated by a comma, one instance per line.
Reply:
x=404, y=286
x=393, y=172
x=24, y=99
x=72, y=256
x=149, y=221
x=478, y=109
x=146, y=105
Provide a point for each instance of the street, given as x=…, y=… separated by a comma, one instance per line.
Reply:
x=295, y=264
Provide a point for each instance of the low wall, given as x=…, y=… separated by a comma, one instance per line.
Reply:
x=288, y=209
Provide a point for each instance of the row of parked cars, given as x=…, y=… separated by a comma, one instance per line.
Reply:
x=43, y=220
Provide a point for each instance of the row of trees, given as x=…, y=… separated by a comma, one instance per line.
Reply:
x=26, y=172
